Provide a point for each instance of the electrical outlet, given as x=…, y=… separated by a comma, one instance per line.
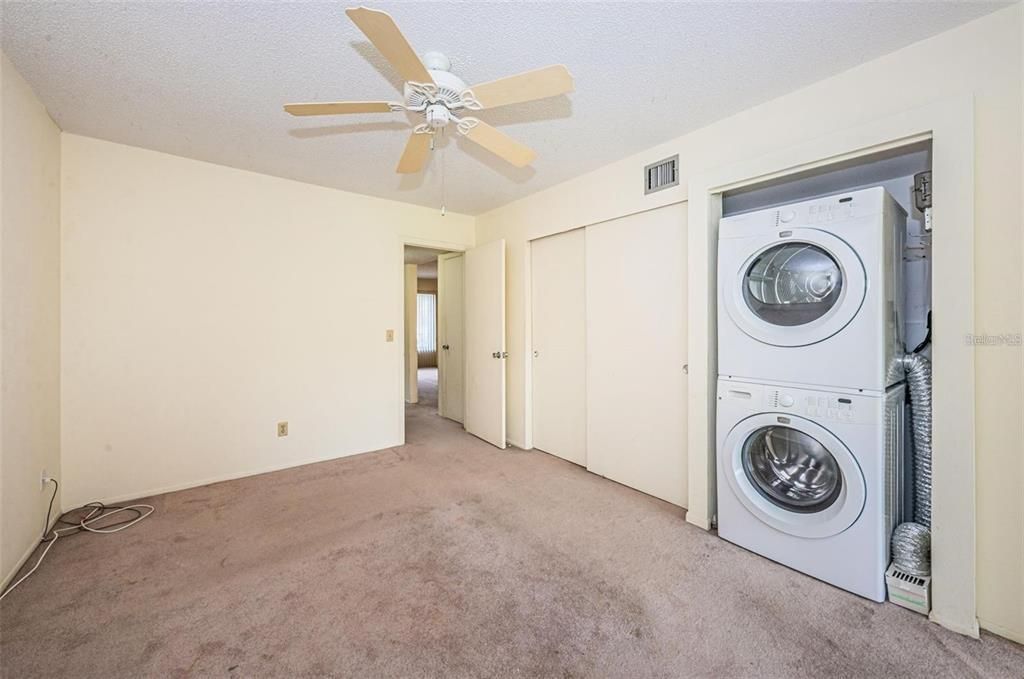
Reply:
x=44, y=478
x=282, y=429
x=389, y=335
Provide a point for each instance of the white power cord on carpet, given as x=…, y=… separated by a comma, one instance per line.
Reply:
x=97, y=512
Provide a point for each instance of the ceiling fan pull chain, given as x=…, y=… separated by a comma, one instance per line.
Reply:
x=444, y=184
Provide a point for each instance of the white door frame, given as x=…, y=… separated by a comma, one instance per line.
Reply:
x=950, y=126
x=400, y=330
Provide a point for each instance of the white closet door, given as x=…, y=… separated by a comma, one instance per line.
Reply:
x=636, y=351
x=451, y=352
x=559, y=344
x=485, y=342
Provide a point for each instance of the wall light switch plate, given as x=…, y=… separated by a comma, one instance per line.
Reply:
x=389, y=335
x=282, y=429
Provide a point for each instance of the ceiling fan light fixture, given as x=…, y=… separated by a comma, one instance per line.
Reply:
x=438, y=116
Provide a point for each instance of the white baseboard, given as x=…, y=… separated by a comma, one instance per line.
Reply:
x=161, y=490
x=994, y=628
x=35, y=545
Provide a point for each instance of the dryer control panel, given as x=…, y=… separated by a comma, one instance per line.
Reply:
x=810, y=213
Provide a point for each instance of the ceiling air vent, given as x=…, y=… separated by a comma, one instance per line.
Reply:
x=661, y=175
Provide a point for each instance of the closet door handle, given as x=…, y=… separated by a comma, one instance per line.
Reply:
x=445, y=347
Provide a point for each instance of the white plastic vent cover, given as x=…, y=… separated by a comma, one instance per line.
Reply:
x=661, y=175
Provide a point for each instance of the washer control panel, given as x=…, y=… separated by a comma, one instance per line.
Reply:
x=829, y=408
x=817, y=407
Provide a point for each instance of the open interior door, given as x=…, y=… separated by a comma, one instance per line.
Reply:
x=485, y=342
x=451, y=355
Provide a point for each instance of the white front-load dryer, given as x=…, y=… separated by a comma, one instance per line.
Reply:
x=812, y=479
x=811, y=293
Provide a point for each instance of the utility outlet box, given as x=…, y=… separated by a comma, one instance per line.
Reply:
x=909, y=591
x=282, y=429
x=389, y=335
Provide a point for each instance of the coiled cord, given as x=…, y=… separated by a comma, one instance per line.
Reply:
x=94, y=512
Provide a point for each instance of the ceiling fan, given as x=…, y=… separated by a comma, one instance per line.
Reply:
x=434, y=92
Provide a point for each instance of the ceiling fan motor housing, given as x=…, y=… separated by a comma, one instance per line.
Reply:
x=449, y=90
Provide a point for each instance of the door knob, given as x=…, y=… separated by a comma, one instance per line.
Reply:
x=445, y=347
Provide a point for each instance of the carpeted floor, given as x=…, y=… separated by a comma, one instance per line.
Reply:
x=426, y=385
x=447, y=557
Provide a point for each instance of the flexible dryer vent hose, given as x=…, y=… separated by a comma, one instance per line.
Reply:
x=919, y=379
x=911, y=541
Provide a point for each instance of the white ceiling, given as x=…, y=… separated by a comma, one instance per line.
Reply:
x=207, y=80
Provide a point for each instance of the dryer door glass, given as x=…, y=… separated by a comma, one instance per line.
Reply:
x=792, y=284
x=792, y=469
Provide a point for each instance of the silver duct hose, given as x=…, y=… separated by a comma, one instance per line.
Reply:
x=919, y=379
x=911, y=541
x=912, y=549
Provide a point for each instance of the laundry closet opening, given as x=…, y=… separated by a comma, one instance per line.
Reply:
x=823, y=418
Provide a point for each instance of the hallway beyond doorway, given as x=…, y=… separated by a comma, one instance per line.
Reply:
x=426, y=379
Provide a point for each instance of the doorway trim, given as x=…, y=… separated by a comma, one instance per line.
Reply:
x=949, y=123
x=414, y=241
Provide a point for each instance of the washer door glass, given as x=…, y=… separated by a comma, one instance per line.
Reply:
x=791, y=469
x=792, y=284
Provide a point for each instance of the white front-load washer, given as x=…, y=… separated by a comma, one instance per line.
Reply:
x=811, y=293
x=812, y=479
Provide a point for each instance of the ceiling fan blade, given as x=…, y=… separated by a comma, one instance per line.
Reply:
x=415, y=155
x=336, y=107
x=549, y=81
x=500, y=144
x=382, y=31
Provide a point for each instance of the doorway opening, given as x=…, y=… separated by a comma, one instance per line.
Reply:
x=434, y=362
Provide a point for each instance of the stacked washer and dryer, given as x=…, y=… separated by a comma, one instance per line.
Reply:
x=810, y=426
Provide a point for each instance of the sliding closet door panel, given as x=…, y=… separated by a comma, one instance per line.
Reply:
x=636, y=351
x=559, y=344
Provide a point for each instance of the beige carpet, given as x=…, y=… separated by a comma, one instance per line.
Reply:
x=426, y=385
x=447, y=557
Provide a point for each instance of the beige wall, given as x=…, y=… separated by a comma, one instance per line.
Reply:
x=983, y=58
x=203, y=304
x=30, y=306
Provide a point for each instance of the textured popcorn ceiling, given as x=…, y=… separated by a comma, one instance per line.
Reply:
x=207, y=80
